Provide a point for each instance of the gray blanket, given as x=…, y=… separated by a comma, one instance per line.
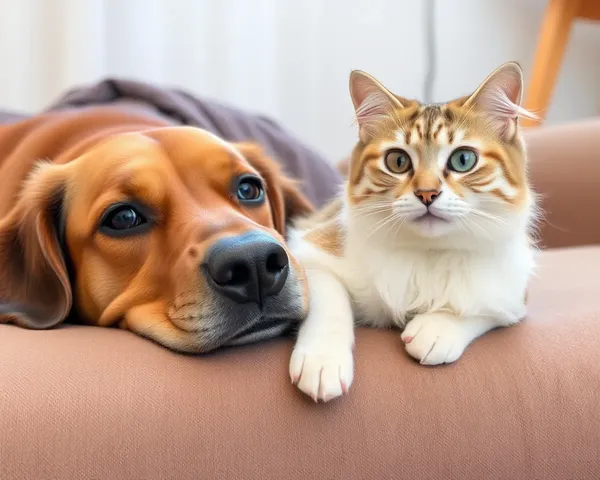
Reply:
x=319, y=180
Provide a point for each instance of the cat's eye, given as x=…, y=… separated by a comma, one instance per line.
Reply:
x=398, y=161
x=462, y=160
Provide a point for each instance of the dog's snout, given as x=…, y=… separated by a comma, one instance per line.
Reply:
x=248, y=268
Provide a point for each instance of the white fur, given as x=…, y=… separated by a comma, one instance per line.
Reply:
x=321, y=363
x=447, y=278
x=451, y=281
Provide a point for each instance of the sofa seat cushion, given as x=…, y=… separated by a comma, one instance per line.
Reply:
x=522, y=403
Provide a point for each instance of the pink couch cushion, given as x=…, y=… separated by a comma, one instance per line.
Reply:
x=523, y=403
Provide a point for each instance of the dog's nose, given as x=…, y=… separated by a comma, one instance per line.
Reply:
x=427, y=197
x=248, y=267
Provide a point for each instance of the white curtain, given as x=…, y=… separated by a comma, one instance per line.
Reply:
x=286, y=58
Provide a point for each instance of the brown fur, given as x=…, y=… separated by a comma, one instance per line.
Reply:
x=96, y=157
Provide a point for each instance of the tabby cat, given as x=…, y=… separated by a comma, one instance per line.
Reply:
x=432, y=233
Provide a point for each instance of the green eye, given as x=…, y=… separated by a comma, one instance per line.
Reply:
x=398, y=161
x=462, y=160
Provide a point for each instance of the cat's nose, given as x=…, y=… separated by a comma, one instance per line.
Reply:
x=427, y=197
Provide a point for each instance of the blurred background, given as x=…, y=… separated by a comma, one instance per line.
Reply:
x=286, y=59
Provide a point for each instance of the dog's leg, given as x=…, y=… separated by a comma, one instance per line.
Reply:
x=322, y=364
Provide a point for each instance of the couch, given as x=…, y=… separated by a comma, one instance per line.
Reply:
x=82, y=402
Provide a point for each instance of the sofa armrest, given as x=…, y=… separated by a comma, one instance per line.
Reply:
x=565, y=171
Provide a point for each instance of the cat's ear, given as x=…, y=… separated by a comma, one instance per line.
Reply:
x=371, y=100
x=499, y=98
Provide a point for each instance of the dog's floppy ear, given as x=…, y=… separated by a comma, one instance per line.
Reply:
x=34, y=284
x=284, y=196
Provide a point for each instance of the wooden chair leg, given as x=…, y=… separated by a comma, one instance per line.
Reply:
x=552, y=40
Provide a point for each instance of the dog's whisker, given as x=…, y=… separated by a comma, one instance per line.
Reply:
x=154, y=325
x=181, y=294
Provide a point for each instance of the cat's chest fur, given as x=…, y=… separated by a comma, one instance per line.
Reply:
x=390, y=286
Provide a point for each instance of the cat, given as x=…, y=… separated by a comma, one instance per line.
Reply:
x=432, y=232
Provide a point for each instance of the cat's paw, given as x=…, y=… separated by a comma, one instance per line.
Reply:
x=435, y=338
x=324, y=372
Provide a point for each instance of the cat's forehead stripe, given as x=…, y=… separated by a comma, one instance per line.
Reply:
x=428, y=123
x=429, y=133
x=448, y=115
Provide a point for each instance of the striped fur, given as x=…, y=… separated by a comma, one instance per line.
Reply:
x=431, y=132
x=416, y=241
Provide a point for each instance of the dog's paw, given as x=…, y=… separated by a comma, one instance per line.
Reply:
x=323, y=373
x=435, y=338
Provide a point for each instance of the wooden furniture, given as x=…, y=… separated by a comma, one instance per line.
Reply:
x=556, y=26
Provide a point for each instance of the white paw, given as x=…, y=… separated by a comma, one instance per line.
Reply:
x=435, y=338
x=323, y=372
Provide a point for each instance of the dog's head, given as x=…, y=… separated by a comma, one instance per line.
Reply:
x=172, y=233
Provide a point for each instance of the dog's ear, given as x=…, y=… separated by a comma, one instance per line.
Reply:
x=34, y=284
x=285, y=198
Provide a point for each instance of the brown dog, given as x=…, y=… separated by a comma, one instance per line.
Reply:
x=166, y=231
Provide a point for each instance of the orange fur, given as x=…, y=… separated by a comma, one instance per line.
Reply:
x=100, y=156
x=427, y=130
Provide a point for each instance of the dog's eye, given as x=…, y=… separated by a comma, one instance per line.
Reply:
x=250, y=190
x=123, y=219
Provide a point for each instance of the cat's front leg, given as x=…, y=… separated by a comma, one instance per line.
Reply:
x=322, y=361
x=441, y=337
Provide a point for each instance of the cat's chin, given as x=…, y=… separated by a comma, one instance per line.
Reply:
x=431, y=226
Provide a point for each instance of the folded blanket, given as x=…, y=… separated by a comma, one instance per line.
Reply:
x=319, y=180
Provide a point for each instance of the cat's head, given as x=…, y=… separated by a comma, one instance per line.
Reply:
x=456, y=169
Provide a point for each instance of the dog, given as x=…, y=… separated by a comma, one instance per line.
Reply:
x=115, y=218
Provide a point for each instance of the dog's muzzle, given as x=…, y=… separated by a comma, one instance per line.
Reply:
x=249, y=273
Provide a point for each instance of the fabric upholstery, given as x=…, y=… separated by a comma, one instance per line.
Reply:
x=523, y=403
x=565, y=169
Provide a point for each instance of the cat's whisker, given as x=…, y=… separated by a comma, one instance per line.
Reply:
x=373, y=205
x=371, y=208
x=382, y=223
x=395, y=226
x=464, y=223
x=400, y=223
x=488, y=216
x=368, y=214
x=371, y=211
x=484, y=232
